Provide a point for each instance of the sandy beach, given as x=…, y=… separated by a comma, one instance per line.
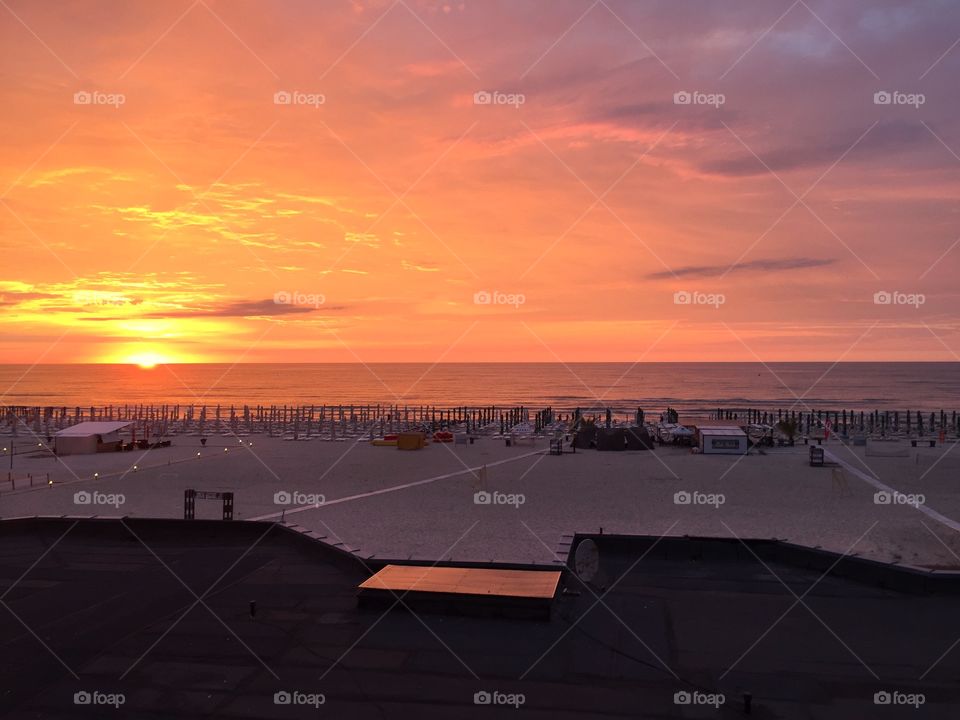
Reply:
x=385, y=503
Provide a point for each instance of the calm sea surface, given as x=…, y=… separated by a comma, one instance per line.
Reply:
x=692, y=387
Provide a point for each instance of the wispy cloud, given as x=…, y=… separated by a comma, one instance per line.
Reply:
x=241, y=308
x=705, y=271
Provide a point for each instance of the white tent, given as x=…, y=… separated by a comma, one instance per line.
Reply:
x=87, y=437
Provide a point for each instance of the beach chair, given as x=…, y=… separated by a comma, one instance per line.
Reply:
x=524, y=439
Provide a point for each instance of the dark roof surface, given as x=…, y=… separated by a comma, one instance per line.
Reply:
x=113, y=607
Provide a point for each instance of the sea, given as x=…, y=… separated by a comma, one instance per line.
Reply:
x=694, y=389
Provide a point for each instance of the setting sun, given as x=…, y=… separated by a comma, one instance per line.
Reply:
x=147, y=360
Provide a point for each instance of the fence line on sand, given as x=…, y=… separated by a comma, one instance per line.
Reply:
x=148, y=420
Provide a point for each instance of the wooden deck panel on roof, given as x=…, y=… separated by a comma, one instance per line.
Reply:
x=537, y=584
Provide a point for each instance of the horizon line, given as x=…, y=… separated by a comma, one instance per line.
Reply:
x=500, y=362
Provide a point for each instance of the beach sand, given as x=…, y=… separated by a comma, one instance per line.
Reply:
x=386, y=503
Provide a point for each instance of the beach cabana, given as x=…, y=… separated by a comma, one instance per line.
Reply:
x=610, y=439
x=585, y=436
x=638, y=439
x=723, y=440
x=88, y=438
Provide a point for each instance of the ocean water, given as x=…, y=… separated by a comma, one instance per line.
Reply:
x=693, y=388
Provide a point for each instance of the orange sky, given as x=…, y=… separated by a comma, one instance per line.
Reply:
x=183, y=214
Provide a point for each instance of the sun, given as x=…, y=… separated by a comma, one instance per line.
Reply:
x=146, y=360
x=147, y=356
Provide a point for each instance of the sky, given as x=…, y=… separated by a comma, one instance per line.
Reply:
x=417, y=180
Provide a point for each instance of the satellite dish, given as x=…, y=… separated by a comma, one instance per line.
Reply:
x=586, y=560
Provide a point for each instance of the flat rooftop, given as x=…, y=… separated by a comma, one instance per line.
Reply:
x=159, y=611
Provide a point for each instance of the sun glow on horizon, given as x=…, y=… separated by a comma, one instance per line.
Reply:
x=147, y=360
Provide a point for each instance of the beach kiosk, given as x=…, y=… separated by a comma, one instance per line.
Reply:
x=87, y=438
x=729, y=440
